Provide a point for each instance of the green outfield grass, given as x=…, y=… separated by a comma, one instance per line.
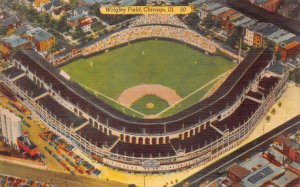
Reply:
x=172, y=64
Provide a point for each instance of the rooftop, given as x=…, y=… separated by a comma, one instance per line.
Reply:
x=262, y=175
x=277, y=34
x=261, y=25
x=9, y=21
x=284, y=37
x=213, y=6
x=245, y=19
x=14, y=41
x=198, y=2
x=39, y=34
x=278, y=68
x=249, y=23
x=239, y=171
x=254, y=163
x=269, y=30
x=127, y=2
x=220, y=10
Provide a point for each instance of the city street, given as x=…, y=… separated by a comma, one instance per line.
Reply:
x=58, y=178
x=211, y=172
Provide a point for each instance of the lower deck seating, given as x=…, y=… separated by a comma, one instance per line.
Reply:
x=61, y=113
x=266, y=84
x=96, y=137
x=239, y=116
x=29, y=87
x=145, y=151
x=205, y=137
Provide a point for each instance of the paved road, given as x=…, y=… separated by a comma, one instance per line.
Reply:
x=263, y=15
x=57, y=178
x=210, y=172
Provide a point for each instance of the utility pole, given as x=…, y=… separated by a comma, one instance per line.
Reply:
x=240, y=46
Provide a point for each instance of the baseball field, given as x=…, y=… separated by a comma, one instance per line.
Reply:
x=152, y=77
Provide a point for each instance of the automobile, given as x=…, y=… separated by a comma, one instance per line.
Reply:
x=97, y=172
x=46, y=148
x=51, y=143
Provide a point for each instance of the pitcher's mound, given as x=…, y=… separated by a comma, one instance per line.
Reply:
x=150, y=105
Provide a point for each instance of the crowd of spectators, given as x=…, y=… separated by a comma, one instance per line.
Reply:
x=157, y=19
x=152, y=31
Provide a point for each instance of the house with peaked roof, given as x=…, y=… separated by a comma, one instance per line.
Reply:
x=51, y=6
x=10, y=22
x=7, y=44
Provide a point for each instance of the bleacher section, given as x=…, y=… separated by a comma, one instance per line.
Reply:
x=238, y=117
x=29, y=87
x=96, y=137
x=61, y=113
x=145, y=151
x=199, y=140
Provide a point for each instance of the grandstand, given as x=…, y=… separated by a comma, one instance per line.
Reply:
x=191, y=137
x=179, y=141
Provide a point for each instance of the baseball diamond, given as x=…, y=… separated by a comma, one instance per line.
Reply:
x=187, y=138
x=151, y=62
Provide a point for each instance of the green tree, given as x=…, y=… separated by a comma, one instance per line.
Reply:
x=208, y=22
x=192, y=19
x=95, y=10
x=2, y=30
x=73, y=4
x=96, y=26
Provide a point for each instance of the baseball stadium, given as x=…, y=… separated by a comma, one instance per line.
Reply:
x=150, y=76
x=153, y=97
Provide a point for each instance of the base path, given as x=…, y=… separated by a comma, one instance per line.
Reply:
x=129, y=96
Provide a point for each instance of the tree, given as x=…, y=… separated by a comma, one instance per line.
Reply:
x=96, y=26
x=3, y=30
x=208, y=22
x=78, y=33
x=192, y=19
x=61, y=25
x=269, y=44
x=273, y=111
x=233, y=39
x=95, y=10
x=73, y=4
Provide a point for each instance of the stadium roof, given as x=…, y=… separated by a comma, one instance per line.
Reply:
x=226, y=95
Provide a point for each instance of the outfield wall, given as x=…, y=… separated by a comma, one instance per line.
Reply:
x=81, y=51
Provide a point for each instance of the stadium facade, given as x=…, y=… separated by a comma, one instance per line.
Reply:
x=186, y=139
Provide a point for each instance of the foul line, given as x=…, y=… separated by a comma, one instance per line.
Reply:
x=111, y=99
x=170, y=107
